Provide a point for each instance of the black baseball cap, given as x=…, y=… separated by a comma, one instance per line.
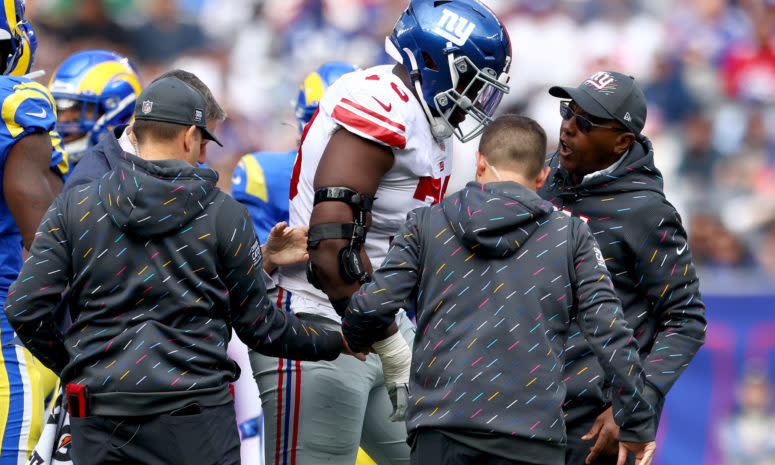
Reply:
x=609, y=95
x=171, y=100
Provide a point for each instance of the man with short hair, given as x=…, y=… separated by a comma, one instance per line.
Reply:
x=162, y=265
x=603, y=172
x=105, y=155
x=282, y=246
x=497, y=276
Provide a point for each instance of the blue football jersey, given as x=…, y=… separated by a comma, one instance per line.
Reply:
x=261, y=182
x=27, y=107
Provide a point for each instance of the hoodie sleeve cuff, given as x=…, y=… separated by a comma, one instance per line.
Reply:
x=647, y=430
x=269, y=279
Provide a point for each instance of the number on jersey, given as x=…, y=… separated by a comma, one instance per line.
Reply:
x=432, y=189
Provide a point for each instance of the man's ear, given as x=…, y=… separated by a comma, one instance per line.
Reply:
x=541, y=178
x=623, y=142
x=481, y=164
x=190, y=138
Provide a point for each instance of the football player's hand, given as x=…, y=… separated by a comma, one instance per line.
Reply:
x=396, y=358
x=607, y=433
x=644, y=452
x=285, y=245
x=399, y=397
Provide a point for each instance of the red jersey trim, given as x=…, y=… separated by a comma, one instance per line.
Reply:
x=367, y=128
x=374, y=114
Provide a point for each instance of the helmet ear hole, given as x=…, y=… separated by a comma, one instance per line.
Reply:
x=429, y=63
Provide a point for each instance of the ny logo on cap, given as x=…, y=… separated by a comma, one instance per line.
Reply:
x=454, y=28
x=601, y=80
x=147, y=106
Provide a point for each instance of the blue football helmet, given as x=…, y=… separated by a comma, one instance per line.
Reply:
x=95, y=91
x=313, y=87
x=458, y=54
x=17, y=40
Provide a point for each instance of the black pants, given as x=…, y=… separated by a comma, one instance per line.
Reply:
x=183, y=437
x=577, y=450
x=431, y=447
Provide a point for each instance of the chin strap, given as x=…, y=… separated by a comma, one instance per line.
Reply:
x=439, y=128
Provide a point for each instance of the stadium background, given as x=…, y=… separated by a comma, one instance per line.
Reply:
x=708, y=70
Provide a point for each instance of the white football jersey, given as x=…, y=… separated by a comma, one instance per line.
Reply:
x=373, y=104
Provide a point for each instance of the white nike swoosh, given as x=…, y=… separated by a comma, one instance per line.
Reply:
x=680, y=250
x=41, y=114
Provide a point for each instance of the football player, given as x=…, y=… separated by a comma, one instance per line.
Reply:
x=261, y=179
x=377, y=147
x=95, y=92
x=260, y=182
x=32, y=172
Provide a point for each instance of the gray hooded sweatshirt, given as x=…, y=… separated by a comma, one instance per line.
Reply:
x=497, y=276
x=161, y=266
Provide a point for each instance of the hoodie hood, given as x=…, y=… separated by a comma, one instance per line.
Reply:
x=150, y=199
x=494, y=219
x=637, y=165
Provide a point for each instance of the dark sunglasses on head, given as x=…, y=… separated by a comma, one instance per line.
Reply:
x=582, y=123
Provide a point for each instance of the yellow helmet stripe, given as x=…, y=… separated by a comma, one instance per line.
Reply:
x=96, y=79
x=23, y=63
x=313, y=88
x=10, y=13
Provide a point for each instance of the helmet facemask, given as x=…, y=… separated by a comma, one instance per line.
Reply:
x=95, y=116
x=476, y=94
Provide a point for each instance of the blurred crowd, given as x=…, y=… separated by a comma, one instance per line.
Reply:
x=707, y=67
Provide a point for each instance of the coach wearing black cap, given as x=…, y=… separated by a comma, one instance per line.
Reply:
x=161, y=267
x=603, y=172
x=167, y=104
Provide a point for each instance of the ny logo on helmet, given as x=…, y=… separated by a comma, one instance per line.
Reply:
x=454, y=28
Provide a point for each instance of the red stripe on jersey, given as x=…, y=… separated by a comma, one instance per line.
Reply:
x=369, y=128
x=279, y=425
x=400, y=127
x=294, y=189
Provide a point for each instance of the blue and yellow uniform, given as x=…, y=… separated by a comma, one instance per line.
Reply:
x=27, y=107
x=261, y=182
